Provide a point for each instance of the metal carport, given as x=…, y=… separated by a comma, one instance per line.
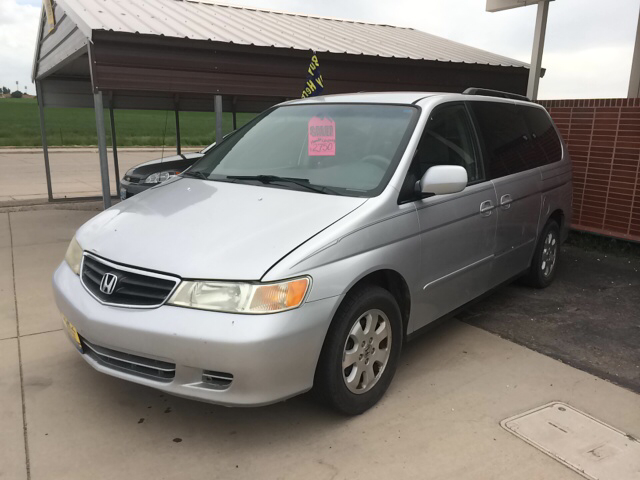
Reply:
x=195, y=56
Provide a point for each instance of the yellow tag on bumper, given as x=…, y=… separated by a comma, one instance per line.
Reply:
x=73, y=333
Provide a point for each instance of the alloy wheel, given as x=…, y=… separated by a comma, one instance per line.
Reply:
x=366, y=351
x=549, y=254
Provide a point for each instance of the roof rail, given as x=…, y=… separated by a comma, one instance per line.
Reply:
x=495, y=93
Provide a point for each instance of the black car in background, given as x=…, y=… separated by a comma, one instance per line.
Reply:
x=153, y=172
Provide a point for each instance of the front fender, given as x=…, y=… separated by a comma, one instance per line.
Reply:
x=338, y=262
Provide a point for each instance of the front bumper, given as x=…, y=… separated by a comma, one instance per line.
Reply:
x=271, y=357
x=128, y=189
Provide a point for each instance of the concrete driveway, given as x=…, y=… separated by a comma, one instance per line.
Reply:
x=440, y=419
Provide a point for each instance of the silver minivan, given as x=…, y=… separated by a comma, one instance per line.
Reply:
x=314, y=242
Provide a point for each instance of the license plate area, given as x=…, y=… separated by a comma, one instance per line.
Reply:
x=73, y=334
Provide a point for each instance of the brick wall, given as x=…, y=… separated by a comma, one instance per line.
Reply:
x=603, y=136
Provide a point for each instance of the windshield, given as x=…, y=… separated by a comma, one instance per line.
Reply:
x=345, y=149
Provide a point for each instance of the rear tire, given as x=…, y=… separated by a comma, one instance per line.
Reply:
x=361, y=351
x=545, y=258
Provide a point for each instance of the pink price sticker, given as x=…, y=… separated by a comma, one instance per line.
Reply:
x=322, y=137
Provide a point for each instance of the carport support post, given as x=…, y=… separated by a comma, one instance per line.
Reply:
x=43, y=134
x=218, y=109
x=634, y=79
x=178, y=147
x=233, y=113
x=538, y=47
x=102, y=149
x=114, y=143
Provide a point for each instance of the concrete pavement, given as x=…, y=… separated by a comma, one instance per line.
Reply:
x=75, y=172
x=440, y=419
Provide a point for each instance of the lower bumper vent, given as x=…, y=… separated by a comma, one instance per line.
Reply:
x=132, y=364
x=217, y=380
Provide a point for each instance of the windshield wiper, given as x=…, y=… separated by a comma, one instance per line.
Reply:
x=195, y=174
x=301, y=182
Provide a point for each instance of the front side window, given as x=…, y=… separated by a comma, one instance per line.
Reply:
x=448, y=140
x=342, y=149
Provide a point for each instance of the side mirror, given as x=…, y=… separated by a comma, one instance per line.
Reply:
x=443, y=179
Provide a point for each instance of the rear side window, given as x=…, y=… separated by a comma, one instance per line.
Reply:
x=543, y=135
x=506, y=137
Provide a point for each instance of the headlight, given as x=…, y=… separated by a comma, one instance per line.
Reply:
x=160, y=176
x=237, y=297
x=73, y=257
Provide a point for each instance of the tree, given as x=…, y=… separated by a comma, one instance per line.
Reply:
x=5, y=90
x=16, y=94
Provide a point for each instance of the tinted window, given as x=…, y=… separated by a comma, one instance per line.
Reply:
x=447, y=140
x=543, y=135
x=505, y=136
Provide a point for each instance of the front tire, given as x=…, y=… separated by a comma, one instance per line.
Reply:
x=361, y=351
x=545, y=258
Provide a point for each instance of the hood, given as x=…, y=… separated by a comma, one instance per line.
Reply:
x=174, y=162
x=202, y=229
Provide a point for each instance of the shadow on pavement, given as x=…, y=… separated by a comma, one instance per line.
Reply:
x=588, y=318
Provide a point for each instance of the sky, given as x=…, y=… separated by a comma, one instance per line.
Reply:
x=588, y=48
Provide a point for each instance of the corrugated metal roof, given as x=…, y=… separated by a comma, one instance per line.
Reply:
x=265, y=28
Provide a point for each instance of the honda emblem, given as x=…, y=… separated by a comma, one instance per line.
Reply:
x=108, y=283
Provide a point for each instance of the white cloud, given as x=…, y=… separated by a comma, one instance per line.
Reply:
x=18, y=33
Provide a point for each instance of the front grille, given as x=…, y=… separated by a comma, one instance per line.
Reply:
x=133, y=364
x=133, y=287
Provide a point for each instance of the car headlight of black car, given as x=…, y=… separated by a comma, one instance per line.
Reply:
x=160, y=177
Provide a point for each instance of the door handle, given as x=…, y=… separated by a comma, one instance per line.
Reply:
x=505, y=201
x=486, y=207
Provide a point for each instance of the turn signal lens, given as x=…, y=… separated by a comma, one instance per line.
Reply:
x=238, y=297
x=278, y=297
x=297, y=290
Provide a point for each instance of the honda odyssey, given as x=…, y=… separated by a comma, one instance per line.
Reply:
x=314, y=241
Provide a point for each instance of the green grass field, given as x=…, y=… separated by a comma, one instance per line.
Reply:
x=20, y=126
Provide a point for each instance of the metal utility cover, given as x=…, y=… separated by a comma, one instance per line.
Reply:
x=583, y=443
